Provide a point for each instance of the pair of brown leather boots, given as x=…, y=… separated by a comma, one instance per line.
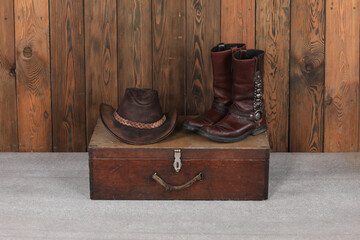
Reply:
x=238, y=107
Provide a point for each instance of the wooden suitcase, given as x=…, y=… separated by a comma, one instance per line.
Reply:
x=184, y=166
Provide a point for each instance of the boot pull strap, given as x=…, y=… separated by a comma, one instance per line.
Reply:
x=257, y=64
x=221, y=47
x=234, y=49
x=242, y=55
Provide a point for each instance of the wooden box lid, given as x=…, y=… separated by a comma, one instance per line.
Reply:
x=103, y=141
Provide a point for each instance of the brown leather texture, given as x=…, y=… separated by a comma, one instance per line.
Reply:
x=208, y=118
x=241, y=117
x=141, y=106
x=221, y=62
x=221, y=57
x=229, y=127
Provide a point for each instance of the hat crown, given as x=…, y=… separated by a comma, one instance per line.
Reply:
x=140, y=105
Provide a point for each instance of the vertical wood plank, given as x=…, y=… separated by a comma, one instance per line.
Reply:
x=33, y=75
x=100, y=58
x=238, y=22
x=307, y=75
x=273, y=36
x=203, y=32
x=342, y=76
x=8, y=116
x=67, y=75
x=134, y=45
x=168, y=31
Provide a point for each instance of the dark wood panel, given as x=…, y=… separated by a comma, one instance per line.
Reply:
x=203, y=32
x=169, y=59
x=33, y=75
x=8, y=116
x=68, y=75
x=134, y=45
x=342, y=76
x=307, y=75
x=221, y=179
x=273, y=36
x=238, y=21
x=100, y=58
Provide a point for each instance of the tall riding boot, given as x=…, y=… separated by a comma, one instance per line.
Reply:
x=246, y=115
x=221, y=56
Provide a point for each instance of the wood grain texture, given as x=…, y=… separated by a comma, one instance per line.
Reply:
x=307, y=75
x=134, y=45
x=230, y=171
x=101, y=47
x=68, y=75
x=238, y=22
x=203, y=32
x=33, y=75
x=169, y=59
x=273, y=36
x=100, y=58
x=181, y=138
x=113, y=178
x=342, y=76
x=8, y=116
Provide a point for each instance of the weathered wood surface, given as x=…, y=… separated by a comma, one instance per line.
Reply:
x=307, y=63
x=222, y=179
x=203, y=33
x=169, y=59
x=100, y=58
x=33, y=75
x=237, y=171
x=238, y=21
x=342, y=76
x=8, y=110
x=182, y=139
x=273, y=36
x=134, y=45
x=68, y=75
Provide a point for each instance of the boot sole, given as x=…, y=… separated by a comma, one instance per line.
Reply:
x=191, y=128
x=253, y=132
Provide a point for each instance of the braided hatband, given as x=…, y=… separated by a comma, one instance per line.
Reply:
x=139, y=124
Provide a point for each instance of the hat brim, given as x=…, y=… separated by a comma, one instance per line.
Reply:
x=133, y=135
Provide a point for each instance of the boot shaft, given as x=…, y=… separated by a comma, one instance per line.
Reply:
x=247, y=75
x=221, y=56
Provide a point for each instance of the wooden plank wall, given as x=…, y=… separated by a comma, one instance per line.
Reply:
x=8, y=108
x=59, y=59
x=273, y=23
x=68, y=75
x=307, y=75
x=32, y=50
x=203, y=32
x=100, y=58
x=342, y=76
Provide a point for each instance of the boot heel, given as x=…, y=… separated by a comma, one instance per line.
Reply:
x=258, y=131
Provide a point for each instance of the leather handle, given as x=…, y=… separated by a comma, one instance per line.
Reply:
x=169, y=187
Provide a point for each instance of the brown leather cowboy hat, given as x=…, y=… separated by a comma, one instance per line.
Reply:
x=139, y=119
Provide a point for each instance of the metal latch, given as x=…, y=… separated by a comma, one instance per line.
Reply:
x=177, y=160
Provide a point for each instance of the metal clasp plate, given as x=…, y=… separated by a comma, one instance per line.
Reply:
x=177, y=160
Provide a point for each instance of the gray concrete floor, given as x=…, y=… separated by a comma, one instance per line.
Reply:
x=312, y=196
